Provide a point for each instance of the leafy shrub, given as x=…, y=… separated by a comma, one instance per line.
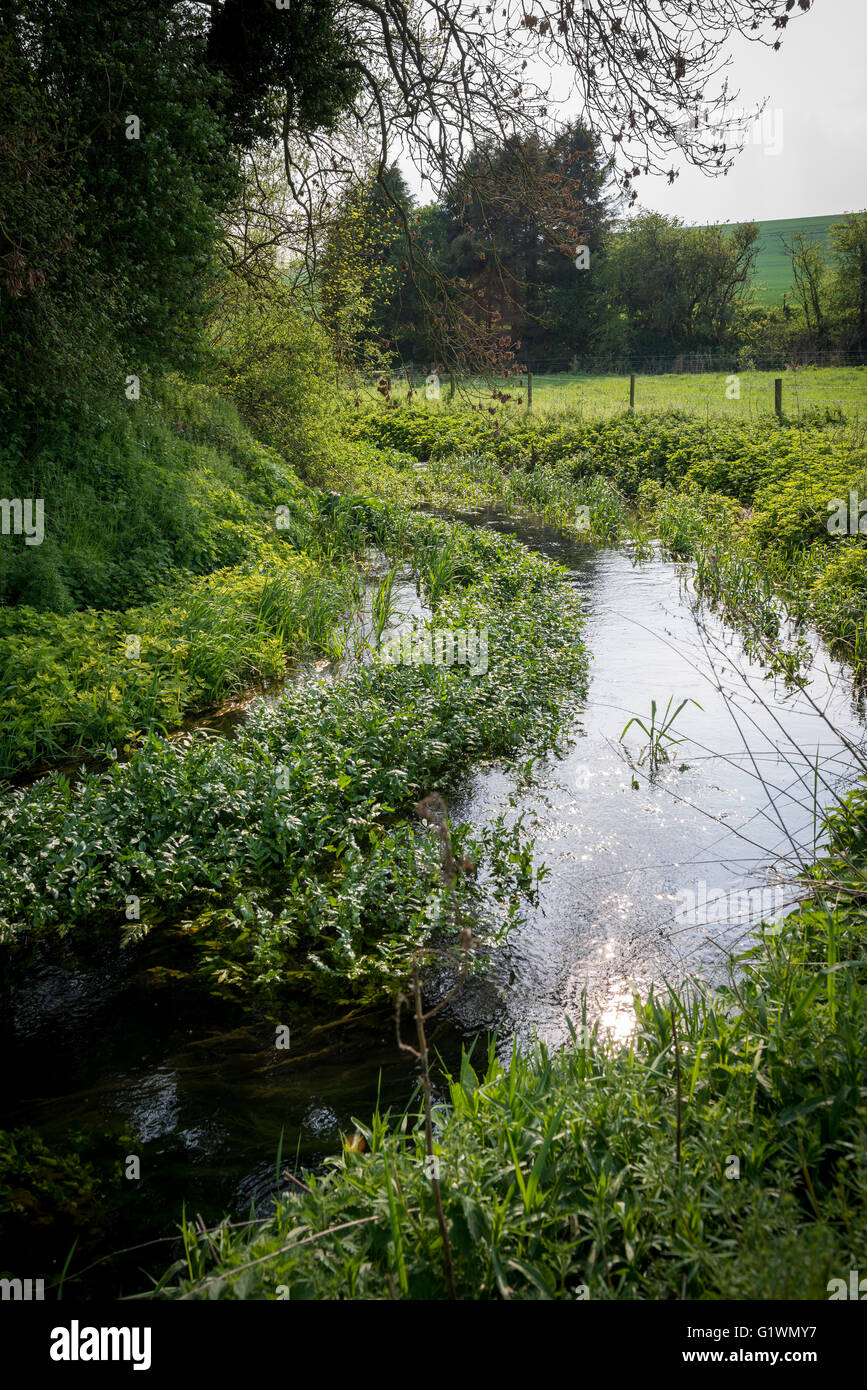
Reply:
x=53, y=1193
x=72, y=684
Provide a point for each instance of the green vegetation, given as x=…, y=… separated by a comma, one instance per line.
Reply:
x=96, y=680
x=202, y=248
x=279, y=846
x=672, y=445
x=661, y=742
x=773, y=268
x=747, y=505
x=179, y=506
x=720, y=1154
x=176, y=487
x=706, y=395
x=52, y=1194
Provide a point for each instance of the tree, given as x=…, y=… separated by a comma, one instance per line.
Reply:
x=849, y=284
x=359, y=271
x=443, y=79
x=810, y=274
x=131, y=210
x=671, y=288
x=718, y=269
x=289, y=67
x=275, y=363
x=370, y=302
x=440, y=78
x=514, y=224
x=118, y=172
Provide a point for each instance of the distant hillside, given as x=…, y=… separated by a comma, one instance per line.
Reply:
x=773, y=267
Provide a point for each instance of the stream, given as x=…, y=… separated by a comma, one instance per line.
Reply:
x=646, y=883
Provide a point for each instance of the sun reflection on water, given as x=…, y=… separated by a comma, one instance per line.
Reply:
x=617, y=1017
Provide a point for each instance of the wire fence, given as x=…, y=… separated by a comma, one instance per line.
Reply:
x=695, y=363
x=708, y=384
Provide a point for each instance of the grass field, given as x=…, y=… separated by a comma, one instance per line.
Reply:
x=773, y=274
x=807, y=388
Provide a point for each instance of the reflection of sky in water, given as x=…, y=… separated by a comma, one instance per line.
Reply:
x=323, y=1121
x=629, y=900
x=160, y=1108
x=155, y=1110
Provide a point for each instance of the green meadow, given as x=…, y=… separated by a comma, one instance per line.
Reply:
x=773, y=274
x=716, y=395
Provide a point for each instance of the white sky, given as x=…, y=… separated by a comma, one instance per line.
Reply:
x=817, y=110
x=811, y=159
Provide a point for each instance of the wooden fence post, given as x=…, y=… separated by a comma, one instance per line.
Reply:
x=632, y=393
x=451, y=385
x=529, y=390
x=778, y=395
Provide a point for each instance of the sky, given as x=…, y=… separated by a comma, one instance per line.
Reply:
x=807, y=157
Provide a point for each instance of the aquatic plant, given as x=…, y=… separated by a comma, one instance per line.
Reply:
x=660, y=739
x=277, y=849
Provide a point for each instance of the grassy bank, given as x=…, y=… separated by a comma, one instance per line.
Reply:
x=168, y=488
x=721, y=1154
x=167, y=578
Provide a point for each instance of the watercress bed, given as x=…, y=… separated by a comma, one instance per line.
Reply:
x=281, y=850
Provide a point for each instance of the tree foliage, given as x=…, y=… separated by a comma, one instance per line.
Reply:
x=513, y=225
x=674, y=287
x=275, y=363
x=289, y=66
x=116, y=171
x=368, y=298
x=849, y=284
